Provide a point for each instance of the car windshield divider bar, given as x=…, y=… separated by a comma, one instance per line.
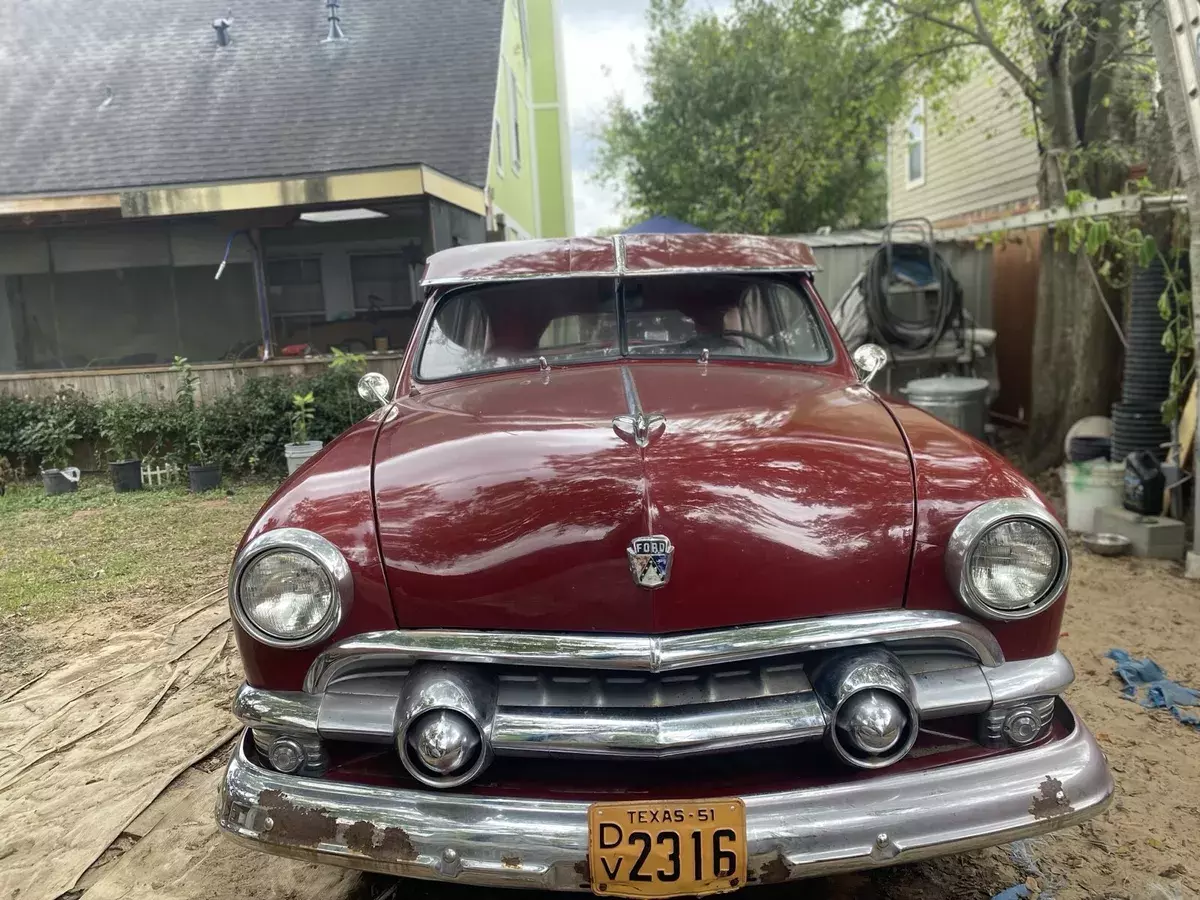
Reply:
x=658, y=653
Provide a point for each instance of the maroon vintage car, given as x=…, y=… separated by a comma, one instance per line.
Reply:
x=633, y=585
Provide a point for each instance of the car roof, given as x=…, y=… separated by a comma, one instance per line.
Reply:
x=622, y=254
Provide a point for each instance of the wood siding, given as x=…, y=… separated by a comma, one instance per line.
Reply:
x=979, y=156
x=160, y=382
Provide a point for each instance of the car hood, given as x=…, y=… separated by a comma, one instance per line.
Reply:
x=509, y=501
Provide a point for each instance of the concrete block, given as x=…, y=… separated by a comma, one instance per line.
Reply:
x=1153, y=536
x=1191, y=568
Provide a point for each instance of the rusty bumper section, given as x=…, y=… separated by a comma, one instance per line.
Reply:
x=506, y=842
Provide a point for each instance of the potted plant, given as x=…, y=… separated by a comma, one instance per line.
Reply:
x=117, y=429
x=301, y=448
x=204, y=467
x=53, y=434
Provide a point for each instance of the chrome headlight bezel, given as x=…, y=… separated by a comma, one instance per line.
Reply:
x=970, y=531
x=320, y=551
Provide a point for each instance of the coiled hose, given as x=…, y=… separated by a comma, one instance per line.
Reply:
x=945, y=310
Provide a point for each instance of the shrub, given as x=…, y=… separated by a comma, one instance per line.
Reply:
x=244, y=430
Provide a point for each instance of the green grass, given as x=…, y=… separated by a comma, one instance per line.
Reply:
x=159, y=547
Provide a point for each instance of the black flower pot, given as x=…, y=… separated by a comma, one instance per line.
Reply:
x=204, y=478
x=126, y=475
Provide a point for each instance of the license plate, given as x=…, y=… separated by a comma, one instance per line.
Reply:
x=667, y=849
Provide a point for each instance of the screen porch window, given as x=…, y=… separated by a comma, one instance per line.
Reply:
x=297, y=300
x=382, y=282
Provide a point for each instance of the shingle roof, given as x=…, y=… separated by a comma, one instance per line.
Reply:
x=414, y=82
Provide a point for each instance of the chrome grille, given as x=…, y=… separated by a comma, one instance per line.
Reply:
x=621, y=690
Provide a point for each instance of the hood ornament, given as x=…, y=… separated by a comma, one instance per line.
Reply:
x=641, y=429
x=650, y=560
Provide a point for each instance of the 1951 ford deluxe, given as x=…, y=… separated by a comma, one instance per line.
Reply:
x=633, y=585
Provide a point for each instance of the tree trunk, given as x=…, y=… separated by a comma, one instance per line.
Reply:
x=1076, y=351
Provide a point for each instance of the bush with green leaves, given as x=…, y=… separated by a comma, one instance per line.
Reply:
x=244, y=430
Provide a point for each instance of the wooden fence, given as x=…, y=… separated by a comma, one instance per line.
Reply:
x=213, y=379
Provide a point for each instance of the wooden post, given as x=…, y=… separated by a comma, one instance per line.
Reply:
x=1174, y=32
x=260, y=288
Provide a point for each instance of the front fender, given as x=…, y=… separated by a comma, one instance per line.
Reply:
x=330, y=495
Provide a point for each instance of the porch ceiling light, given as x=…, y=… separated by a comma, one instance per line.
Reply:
x=342, y=215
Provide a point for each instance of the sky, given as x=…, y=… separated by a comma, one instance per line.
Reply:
x=602, y=43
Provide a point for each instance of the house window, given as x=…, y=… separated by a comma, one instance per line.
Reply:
x=381, y=282
x=522, y=14
x=498, y=142
x=514, y=110
x=914, y=174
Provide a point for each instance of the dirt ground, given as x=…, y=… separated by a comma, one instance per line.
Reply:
x=1147, y=845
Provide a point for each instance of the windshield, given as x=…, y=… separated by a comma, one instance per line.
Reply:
x=567, y=320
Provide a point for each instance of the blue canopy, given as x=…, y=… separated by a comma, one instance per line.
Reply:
x=663, y=225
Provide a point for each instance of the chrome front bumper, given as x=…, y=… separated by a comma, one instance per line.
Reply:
x=535, y=843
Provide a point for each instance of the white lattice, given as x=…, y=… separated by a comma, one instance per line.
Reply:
x=157, y=476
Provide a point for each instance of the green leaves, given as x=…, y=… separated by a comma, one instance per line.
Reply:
x=770, y=119
x=1147, y=251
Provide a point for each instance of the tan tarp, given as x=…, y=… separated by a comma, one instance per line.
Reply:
x=184, y=857
x=86, y=747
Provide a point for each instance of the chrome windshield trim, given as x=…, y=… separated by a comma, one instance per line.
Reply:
x=615, y=272
x=657, y=653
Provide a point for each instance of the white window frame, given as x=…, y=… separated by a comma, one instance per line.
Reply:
x=915, y=134
x=498, y=144
x=514, y=113
x=523, y=16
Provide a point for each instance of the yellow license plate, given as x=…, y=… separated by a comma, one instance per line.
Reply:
x=667, y=848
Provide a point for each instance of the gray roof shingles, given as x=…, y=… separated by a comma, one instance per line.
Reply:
x=414, y=82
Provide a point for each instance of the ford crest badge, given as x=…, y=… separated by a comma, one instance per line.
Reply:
x=650, y=560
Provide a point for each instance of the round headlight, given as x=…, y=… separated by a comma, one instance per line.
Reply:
x=1007, y=559
x=286, y=594
x=1014, y=564
x=290, y=588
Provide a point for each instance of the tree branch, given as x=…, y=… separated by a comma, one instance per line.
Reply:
x=981, y=36
x=1027, y=85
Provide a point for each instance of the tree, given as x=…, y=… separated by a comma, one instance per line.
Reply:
x=1084, y=69
x=770, y=120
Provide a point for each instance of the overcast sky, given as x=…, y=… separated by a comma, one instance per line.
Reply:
x=602, y=41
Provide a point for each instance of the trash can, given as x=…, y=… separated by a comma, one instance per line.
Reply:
x=955, y=399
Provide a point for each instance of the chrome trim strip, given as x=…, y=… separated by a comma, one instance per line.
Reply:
x=971, y=529
x=295, y=712
x=619, y=254
x=316, y=548
x=616, y=272
x=658, y=734
x=632, y=731
x=399, y=649
x=1025, y=678
x=867, y=822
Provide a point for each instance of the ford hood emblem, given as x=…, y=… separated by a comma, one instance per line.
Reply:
x=650, y=560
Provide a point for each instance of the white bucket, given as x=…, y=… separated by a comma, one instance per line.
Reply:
x=1090, y=486
x=297, y=454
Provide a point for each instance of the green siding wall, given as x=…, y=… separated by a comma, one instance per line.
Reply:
x=533, y=197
